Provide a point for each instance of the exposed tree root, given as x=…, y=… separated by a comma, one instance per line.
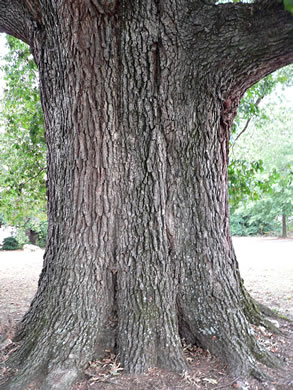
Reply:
x=265, y=357
x=41, y=369
x=51, y=362
x=63, y=377
x=260, y=375
x=270, y=313
x=234, y=344
x=58, y=379
x=256, y=312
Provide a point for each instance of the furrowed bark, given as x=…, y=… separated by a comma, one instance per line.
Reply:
x=69, y=319
x=148, y=272
x=212, y=303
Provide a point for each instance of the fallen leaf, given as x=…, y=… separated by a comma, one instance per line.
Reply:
x=210, y=380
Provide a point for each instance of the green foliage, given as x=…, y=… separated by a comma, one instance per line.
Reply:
x=42, y=230
x=289, y=5
x=234, y=1
x=38, y=227
x=22, y=144
x=10, y=244
x=21, y=237
x=260, y=194
x=253, y=221
x=250, y=106
x=281, y=202
x=248, y=180
x=263, y=214
x=243, y=184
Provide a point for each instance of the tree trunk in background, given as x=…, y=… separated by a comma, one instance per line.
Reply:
x=138, y=102
x=32, y=236
x=284, y=226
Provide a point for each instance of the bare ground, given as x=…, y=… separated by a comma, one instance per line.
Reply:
x=266, y=265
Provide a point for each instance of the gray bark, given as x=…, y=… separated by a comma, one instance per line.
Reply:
x=138, y=100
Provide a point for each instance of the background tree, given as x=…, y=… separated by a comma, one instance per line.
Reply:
x=22, y=146
x=138, y=100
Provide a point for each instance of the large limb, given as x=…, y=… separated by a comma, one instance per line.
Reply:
x=261, y=43
x=249, y=40
x=18, y=18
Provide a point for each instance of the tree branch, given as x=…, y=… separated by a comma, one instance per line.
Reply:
x=248, y=121
x=17, y=19
x=243, y=42
x=262, y=41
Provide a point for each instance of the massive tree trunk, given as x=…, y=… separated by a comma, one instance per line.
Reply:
x=139, y=98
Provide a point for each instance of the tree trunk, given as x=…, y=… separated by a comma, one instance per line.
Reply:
x=138, y=104
x=32, y=236
x=284, y=226
x=69, y=321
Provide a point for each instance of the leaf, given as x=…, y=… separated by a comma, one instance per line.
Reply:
x=210, y=380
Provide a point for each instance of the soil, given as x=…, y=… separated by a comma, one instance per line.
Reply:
x=266, y=264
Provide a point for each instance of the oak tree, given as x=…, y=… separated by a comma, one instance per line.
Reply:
x=139, y=99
